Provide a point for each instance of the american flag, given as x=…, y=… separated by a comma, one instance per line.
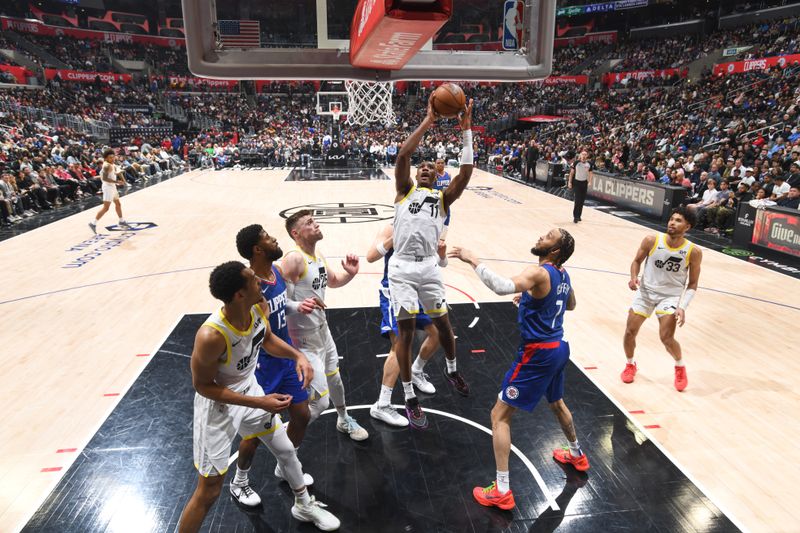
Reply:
x=240, y=33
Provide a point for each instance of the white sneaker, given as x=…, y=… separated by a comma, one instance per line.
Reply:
x=349, y=425
x=314, y=512
x=420, y=381
x=245, y=495
x=307, y=479
x=387, y=413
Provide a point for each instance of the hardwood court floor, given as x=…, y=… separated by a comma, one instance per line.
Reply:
x=76, y=337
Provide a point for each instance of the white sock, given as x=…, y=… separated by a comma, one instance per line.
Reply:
x=451, y=365
x=419, y=365
x=341, y=411
x=408, y=390
x=385, y=397
x=241, y=478
x=679, y=362
x=302, y=497
x=502, y=482
x=575, y=449
x=631, y=361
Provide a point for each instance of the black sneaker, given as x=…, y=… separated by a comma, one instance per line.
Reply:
x=416, y=416
x=457, y=381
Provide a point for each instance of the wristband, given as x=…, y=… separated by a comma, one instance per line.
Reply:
x=687, y=298
x=381, y=249
x=466, y=153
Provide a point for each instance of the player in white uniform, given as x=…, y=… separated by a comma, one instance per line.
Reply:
x=110, y=181
x=670, y=259
x=229, y=400
x=414, y=274
x=307, y=275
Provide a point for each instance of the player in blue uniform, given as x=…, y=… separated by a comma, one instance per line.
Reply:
x=441, y=183
x=382, y=409
x=538, y=369
x=275, y=375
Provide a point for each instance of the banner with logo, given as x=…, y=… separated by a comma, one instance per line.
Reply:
x=603, y=7
x=39, y=28
x=637, y=195
x=84, y=77
x=764, y=63
x=778, y=230
x=611, y=78
x=596, y=37
x=735, y=51
x=564, y=80
x=191, y=81
x=20, y=73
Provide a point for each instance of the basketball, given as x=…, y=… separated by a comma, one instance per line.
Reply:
x=449, y=100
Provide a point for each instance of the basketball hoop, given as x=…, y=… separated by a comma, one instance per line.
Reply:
x=369, y=101
x=336, y=112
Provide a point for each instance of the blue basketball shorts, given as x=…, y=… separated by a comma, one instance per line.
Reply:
x=279, y=376
x=389, y=322
x=538, y=370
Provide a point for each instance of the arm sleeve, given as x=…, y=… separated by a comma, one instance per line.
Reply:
x=497, y=283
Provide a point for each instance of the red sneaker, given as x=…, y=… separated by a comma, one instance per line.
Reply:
x=629, y=372
x=491, y=497
x=680, y=378
x=562, y=455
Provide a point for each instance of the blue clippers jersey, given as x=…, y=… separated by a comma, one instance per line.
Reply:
x=542, y=320
x=442, y=181
x=275, y=294
x=385, y=279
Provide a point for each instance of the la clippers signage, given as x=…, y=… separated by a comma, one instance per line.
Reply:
x=84, y=77
x=778, y=230
x=39, y=28
x=636, y=195
x=208, y=82
x=764, y=63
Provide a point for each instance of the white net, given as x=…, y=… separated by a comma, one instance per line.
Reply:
x=369, y=101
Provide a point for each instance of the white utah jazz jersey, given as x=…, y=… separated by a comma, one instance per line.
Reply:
x=238, y=362
x=418, y=222
x=666, y=269
x=312, y=283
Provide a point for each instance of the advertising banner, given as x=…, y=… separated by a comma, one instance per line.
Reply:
x=191, y=81
x=636, y=195
x=611, y=78
x=39, y=28
x=84, y=77
x=764, y=63
x=778, y=230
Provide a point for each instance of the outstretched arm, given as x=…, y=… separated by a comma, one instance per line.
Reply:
x=526, y=280
x=402, y=167
x=382, y=244
x=460, y=182
x=340, y=279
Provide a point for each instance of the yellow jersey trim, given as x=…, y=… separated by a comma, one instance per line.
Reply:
x=238, y=332
x=671, y=249
x=305, y=265
x=227, y=341
x=655, y=245
x=329, y=374
x=689, y=254
x=640, y=313
x=262, y=433
x=261, y=312
x=209, y=474
x=662, y=313
x=413, y=188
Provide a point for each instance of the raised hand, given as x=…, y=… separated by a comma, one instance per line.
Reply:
x=350, y=264
x=465, y=117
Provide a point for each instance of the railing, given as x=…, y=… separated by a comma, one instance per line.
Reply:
x=97, y=128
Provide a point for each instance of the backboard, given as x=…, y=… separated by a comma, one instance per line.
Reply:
x=491, y=40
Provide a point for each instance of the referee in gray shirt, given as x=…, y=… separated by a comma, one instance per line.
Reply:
x=580, y=177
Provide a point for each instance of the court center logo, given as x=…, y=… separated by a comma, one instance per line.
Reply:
x=104, y=243
x=344, y=212
x=132, y=226
x=512, y=393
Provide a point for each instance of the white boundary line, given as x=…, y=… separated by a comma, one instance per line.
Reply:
x=474, y=321
x=535, y=473
x=110, y=410
x=666, y=453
